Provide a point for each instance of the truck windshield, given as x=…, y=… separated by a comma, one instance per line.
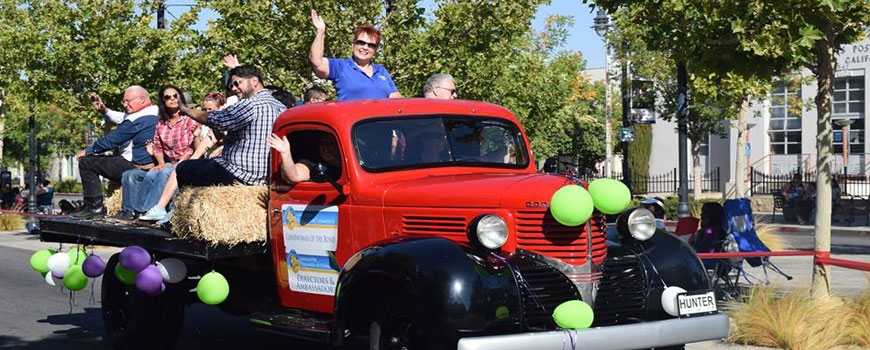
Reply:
x=392, y=143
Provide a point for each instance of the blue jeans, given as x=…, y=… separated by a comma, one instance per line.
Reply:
x=142, y=189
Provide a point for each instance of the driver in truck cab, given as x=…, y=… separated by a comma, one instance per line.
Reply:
x=300, y=171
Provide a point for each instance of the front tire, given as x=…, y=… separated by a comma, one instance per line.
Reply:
x=399, y=325
x=135, y=320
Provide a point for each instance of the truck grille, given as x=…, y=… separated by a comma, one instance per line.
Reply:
x=542, y=289
x=428, y=225
x=622, y=291
x=539, y=232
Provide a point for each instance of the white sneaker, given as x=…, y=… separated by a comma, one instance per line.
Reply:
x=155, y=213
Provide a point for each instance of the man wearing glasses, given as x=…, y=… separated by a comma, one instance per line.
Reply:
x=440, y=86
x=355, y=78
x=247, y=124
x=137, y=128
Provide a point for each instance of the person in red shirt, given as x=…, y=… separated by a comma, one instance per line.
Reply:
x=173, y=143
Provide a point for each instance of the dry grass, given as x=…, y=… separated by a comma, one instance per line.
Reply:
x=767, y=234
x=858, y=311
x=791, y=321
x=113, y=198
x=11, y=222
x=221, y=214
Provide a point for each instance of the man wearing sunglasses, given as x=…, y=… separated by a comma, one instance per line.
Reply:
x=440, y=86
x=247, y=124
x=355, y=78
x=137, y=128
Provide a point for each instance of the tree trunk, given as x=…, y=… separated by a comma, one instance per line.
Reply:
x=696, y=169
x=827, y=66
x=741, y=164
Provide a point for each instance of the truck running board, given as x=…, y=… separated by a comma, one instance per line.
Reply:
x=297, y=324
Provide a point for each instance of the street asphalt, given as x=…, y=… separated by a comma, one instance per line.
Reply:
x=845, y=282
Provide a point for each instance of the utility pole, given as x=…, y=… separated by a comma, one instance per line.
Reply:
x=31, y=180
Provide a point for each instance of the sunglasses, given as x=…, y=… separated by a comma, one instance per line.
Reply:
x=236, y=83
x=169, y=97
x=372, y=46
x=451, y=91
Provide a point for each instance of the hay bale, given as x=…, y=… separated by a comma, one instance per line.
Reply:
x=113, y=198
x=221, y=214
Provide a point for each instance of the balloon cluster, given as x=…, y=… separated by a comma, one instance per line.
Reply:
x=572, y=205
x=573, y=314
x=135, y=267
x=73, y=267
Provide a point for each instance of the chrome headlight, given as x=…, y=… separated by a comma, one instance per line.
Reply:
x=641, y=224
x=491, y=231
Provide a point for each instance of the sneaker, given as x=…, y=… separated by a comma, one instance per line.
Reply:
x=125, y=215
x=155, y=213
x=165, y=219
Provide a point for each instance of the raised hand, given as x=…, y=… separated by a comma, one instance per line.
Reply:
x=318, y=22
x=279, y=144
x=97, y=102
x=230, y=61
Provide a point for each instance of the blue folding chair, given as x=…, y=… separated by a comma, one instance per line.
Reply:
x=741, y=226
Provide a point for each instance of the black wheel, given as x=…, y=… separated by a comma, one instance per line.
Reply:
x=135, y=320
x=399, y=326
x=672, y=347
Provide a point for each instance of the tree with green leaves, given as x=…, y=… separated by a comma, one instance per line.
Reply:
x=760, y=39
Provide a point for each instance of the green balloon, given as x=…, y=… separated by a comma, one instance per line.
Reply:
x=212, y=288
x=571, y=205
x=573, y=314
x=502, y=312
x=125, y=276
x=74, y=279
x=39, y=260
x=610, y=196
x=77, y=256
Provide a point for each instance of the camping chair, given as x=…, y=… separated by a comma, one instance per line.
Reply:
x=740, y=226
x=686, y=228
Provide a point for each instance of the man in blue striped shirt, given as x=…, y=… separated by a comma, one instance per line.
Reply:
x=247, y=124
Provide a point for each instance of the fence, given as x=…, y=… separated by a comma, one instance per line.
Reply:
x=854, y=184
x=668, y=182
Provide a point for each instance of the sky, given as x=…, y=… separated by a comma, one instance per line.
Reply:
x=581, y=36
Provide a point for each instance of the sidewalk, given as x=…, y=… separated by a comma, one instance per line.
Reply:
x=859, y=226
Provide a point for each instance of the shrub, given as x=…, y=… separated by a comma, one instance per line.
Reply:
x=789, y=321
x=774, y=242
x=11, y=222
x=68, y=186
x=858, y=332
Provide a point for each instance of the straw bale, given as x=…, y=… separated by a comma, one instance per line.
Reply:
x=113, y=198
x=225, y=215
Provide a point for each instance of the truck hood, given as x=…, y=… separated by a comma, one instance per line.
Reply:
x=476, y=191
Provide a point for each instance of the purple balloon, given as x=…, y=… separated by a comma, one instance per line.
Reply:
x=56, y=276
x=150, y=281
x=94, y=266
x=134, y=258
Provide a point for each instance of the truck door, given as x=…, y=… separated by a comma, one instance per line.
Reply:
x=305, y=218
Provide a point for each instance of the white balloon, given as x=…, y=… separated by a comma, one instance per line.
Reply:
x=669, y=300
x=173, y=270
x=50, y=280
x=58, y=263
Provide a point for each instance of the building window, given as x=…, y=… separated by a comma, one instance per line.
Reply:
x=848, y=103
x=785, y=118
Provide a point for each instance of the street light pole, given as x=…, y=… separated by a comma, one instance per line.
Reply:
x=626, y=123
x=601, y=26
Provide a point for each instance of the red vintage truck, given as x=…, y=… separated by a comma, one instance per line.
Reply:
x=431, y=231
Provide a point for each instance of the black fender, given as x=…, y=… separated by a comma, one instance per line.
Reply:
x=461, y=289
x=668, y=261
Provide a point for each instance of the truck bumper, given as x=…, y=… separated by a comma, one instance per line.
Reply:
x=630, y=336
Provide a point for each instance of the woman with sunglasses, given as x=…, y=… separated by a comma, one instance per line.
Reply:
x=355, y=78
x=174, y=141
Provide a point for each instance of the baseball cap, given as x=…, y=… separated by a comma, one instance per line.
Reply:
x=652, y=201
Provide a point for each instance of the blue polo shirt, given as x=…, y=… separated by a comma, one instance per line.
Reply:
x=351, y=83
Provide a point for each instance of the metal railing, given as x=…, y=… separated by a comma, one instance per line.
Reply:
x=854, y=184
x=668, y=182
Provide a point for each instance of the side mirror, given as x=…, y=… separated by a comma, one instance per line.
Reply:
x=321, y=173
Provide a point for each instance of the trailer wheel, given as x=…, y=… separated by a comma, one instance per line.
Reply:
x=135, y=320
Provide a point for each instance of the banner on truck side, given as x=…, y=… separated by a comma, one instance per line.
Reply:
x=310, y=240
